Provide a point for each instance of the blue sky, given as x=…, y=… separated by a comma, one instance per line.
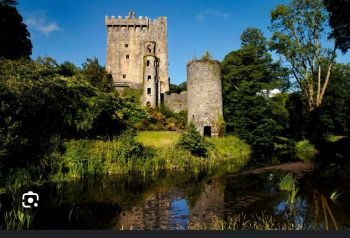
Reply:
x=74, y=30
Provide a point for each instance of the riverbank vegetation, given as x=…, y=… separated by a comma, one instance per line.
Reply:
x=62, y=122
x=131, y=153
x=245, y=222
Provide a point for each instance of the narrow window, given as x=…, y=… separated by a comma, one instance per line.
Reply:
x=127, y=56
x=149, y=77
x=126, y=45
x=147, y=62
x=149, y=91
x=124, y=76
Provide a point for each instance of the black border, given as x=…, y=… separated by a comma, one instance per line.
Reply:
x=170, y=234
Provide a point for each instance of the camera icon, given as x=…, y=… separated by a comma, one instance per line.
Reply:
x=30, y=199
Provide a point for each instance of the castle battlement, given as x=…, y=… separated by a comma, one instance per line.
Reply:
x=131, y=20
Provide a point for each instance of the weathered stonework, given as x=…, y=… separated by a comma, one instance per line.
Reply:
x=204, y=90
x=176, y=102
x=129, y=40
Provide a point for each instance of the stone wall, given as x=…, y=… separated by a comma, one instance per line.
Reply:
x=204, y=88
x=126, y=39
x=176, y=102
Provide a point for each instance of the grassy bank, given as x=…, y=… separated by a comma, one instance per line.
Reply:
x=157, y=139
x=150, y=152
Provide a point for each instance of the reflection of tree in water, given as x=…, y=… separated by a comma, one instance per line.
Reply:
x=321, y=210
x=313, y=212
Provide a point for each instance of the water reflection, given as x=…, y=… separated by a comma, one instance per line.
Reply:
x=177, y=201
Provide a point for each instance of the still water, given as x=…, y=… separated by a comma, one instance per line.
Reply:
x=177, y=201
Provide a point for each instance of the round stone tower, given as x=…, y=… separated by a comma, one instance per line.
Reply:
x=150, y=80
x=204, y=91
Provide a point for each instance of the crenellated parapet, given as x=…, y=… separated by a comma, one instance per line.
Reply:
x=131, y=21
x=120, y=21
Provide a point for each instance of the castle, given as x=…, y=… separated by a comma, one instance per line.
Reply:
x=137, y=57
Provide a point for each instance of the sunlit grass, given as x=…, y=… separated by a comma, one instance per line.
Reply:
x=292, y=196
x=159, y=153
x=230, y=147
x=287, y=182
x=334, y=195
x=157, y=139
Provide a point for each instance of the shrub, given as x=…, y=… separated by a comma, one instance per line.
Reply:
x=304, y=146
x=129, y=150
x=192, y=141
x=159, y=126
x=181, y=119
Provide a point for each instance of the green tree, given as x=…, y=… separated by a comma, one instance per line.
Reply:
x=39, y=108
x=254, y=37
x=68, y=69
x=249, y=75
x=298, y=29
x=178, y=88
x=339, y=20
x=97, y=75
x=8, y=2
x=298, y=117
x=330, y=118
x=14, y=36
x=335, y=111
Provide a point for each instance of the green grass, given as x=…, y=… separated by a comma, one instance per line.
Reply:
x=287, y=182
x=244, y=222
x=17, y=220
x=155, y=151
x=230, y=147
x=157, y=139
x=305, y=150
x=334, y=195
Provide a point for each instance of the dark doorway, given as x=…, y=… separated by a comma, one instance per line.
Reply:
x=162, y=98
x=207, y=131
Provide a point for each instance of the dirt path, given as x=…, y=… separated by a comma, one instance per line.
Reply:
x=298, y=168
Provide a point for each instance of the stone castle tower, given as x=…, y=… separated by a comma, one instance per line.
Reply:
x=137, y=55
x=204, y=96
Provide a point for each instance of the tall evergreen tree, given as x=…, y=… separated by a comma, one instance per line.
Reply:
x=14, y=36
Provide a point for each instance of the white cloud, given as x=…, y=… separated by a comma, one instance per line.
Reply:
x=211, y=13
x=39, y=22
